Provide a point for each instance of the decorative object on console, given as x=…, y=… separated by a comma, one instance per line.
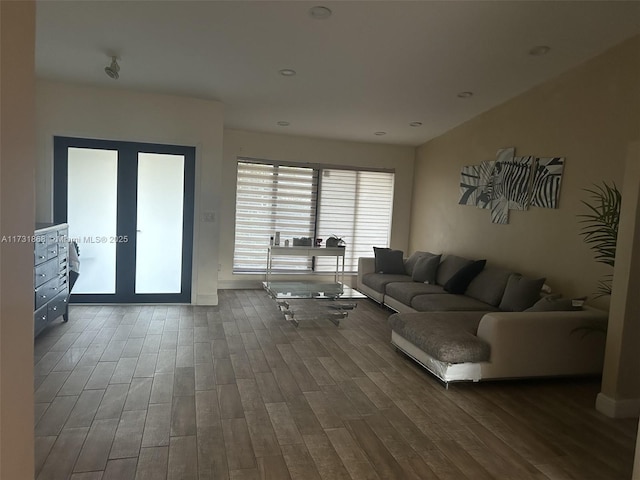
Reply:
x=509, y=184
x=335, y=241
x=302, y=241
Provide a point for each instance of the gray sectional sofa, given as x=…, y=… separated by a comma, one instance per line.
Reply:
x=489, y=323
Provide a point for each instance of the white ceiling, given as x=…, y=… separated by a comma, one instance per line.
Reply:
x=372, y=66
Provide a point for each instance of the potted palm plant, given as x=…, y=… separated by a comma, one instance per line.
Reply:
x=600, y=228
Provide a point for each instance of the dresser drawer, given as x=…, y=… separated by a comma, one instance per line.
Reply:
x=52, y=250
x=58, y=306
x=40, y=319
x=45, y=272
x=45, y=292
x=63, y=249
x=40, y=250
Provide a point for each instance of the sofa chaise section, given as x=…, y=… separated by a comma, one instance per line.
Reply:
x=519, y=344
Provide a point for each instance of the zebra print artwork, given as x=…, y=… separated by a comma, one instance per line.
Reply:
x=546, y=182
x=469, y=182
x=511, y=183
x=512, y=180
x=485, y=185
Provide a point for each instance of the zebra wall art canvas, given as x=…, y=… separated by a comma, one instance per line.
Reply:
x=511, y=183
x=485, y=186
x=546, y=182
x=469, y=183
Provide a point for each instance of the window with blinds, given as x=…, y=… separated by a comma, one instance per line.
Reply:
x=311, y=202
x=355, y=205
x=272, y=198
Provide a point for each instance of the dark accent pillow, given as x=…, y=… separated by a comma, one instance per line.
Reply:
x=462, y=278
x=426, y=268
x=389, y=261
x=521, y=293
x=553, y=303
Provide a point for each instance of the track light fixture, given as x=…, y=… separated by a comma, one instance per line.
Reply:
x=113, y=69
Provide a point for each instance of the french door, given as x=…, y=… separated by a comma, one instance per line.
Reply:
x=129, y=207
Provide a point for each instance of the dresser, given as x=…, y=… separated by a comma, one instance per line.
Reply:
x=50, y=274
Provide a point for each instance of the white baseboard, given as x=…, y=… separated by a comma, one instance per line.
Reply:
x=623, y=408
x=207, y=299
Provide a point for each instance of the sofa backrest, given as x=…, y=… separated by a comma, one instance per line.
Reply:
x=489, y=285
x=449, y=265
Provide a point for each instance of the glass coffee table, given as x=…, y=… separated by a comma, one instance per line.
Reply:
x=313, y=300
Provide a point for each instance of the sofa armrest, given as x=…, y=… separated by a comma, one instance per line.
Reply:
x=365, y=265
x=525, y=344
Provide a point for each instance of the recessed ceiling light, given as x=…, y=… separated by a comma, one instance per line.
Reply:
x=539, y=50
x=282, y=123
x=380, y=133
x=287, y=72
x=415, y=124
x=320, y=13
x=465, y=94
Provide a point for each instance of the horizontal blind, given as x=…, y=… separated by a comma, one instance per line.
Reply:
x=272, y=198
x=356, y=206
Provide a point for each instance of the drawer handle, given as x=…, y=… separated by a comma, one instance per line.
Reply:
x=43, y=296
x=42, y=275
x=41, y=256
x=44, y=317
x=54, y=308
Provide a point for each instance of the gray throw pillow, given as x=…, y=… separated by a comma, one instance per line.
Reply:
x=426, y=268
x=521, y=293
x=410, y=263
x=389, y=261
x=553, y=303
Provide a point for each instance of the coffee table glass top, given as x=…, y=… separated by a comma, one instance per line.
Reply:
x=316, y=290
x=313, y=300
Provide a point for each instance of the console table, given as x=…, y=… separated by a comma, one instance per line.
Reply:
x=297, y=251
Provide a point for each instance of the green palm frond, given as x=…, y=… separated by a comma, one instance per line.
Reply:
x=600, y=227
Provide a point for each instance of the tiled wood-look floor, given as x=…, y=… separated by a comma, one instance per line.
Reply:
x=234, y=392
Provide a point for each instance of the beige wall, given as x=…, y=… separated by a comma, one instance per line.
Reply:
x=17, y=160
x=587, y=115
x=311, y=150
x=112, y=114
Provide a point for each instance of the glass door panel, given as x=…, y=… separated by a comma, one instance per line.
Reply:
x=92, y=215
x=130, y=207
x=159, y=223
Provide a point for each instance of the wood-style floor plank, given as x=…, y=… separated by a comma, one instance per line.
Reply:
x=235, y=392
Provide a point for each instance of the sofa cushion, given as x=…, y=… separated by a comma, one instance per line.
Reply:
x=378, y=281
x=489, y=285
x=389, y=261
x=447, y=337
x=448, y=302
x=425, y=268
x=521, y=293
x=449, y=265
x=462, y=278
x=410, y=262
x=553, y=303
x=405, y=291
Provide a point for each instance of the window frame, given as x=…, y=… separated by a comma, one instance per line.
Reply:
x=318, y=169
